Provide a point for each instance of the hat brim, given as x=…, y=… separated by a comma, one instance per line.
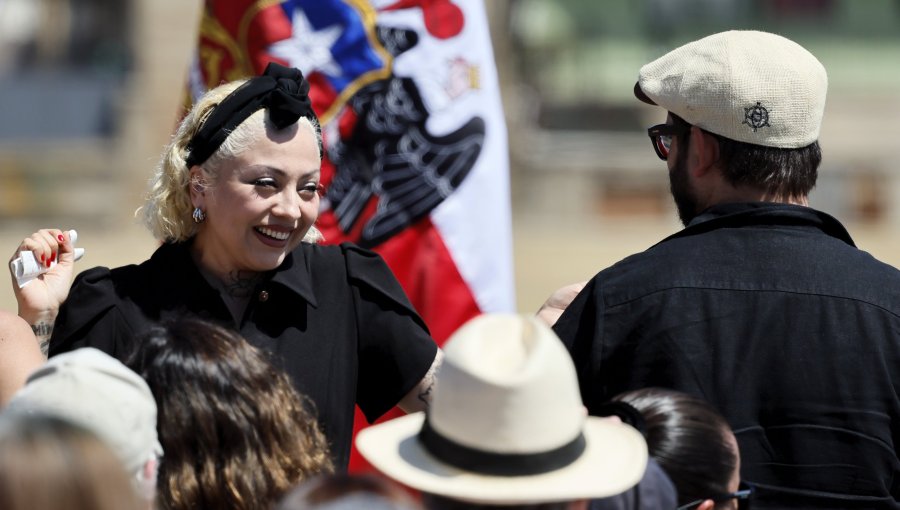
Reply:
x=613, y=462
x=639, y=93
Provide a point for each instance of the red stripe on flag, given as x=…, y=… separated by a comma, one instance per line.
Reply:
x=422, y=263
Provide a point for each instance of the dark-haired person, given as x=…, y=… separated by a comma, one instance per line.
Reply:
x=693, y=444
x=235, y=432
x=234, y=202
x=762, y=305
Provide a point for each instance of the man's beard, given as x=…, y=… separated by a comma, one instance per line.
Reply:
x=685, y=200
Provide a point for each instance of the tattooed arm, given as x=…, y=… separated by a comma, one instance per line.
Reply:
x=42, y=331
x=40, y=299
x=419, y=398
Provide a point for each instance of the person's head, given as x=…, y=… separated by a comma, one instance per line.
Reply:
x=693, y=444
x=235, y=431
x=50, y=463
x=96, y=391
x=506, y=426
x=744, y=107
x=241, y=174
x=345, y=491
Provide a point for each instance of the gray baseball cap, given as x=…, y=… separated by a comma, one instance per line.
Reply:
x=92, y=389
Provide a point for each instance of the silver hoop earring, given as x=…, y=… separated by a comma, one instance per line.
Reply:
x=198, y=215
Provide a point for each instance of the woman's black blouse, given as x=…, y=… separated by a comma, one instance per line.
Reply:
x=333, y=317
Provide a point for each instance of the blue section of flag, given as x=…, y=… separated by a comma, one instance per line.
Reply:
x=352, y=51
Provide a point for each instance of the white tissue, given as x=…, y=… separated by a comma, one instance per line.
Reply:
x=26, y=267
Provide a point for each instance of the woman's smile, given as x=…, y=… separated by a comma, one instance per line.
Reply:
x=274, y=234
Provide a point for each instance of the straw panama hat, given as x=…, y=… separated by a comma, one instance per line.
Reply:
x=749, y=86
x=507, y=425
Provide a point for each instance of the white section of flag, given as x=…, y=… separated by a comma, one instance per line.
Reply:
x=475, y=220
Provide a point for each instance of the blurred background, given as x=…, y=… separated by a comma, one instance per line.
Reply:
x=91, y=89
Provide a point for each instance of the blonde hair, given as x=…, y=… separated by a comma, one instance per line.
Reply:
x=168, y=207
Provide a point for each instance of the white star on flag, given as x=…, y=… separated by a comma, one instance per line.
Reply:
x=309, y=49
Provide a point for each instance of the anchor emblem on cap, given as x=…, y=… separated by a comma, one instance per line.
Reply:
x=756, y=116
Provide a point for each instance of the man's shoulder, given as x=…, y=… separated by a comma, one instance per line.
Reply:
x=777, y=260
x=659, y=261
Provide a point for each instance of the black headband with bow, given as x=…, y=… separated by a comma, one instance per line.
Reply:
x=281, y=90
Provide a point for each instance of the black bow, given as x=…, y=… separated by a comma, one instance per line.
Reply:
x=281, y=90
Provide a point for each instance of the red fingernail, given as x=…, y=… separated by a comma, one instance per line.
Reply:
x=42, y=258
x=52, y=257
x=61, y=238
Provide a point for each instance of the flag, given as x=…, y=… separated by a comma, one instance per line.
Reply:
x=415, y=163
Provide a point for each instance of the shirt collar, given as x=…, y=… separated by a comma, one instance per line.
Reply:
x=760, y=213
x=293, y=274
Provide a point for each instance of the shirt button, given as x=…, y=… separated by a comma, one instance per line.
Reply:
x=263, y=296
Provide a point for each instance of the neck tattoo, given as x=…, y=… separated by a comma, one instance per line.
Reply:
x=240, y=284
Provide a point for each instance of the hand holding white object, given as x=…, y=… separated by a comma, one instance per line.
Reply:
x=41, y=270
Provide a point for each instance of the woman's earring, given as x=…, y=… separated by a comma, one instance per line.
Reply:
x=198, y=215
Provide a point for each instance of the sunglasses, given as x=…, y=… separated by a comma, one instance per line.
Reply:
x=742, y=495
x=661, y=136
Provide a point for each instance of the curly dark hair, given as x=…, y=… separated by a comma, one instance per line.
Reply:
x=235, y=432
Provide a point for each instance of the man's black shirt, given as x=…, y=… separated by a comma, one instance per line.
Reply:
x=769, y=312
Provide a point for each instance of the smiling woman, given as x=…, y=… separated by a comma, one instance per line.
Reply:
x=258, y=205
x=234, y=202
